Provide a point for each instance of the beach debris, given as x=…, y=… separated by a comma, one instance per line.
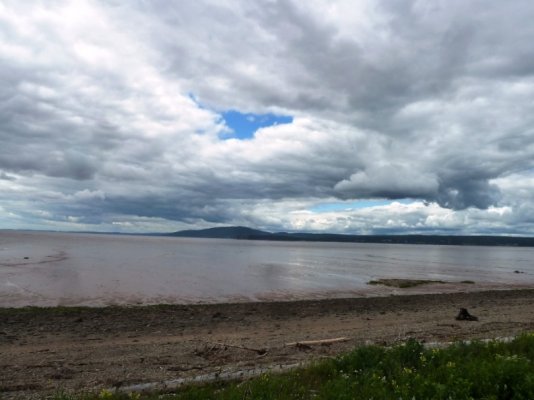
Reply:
x=464, y=315
x=455, y=326
x=324, y=342
x=62, y=373
x=207, y=350
x=260, y=352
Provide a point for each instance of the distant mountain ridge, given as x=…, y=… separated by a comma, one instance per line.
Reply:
x=245, y=233
x=230, y=232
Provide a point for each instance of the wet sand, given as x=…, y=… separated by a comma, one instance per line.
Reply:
x=76, y=349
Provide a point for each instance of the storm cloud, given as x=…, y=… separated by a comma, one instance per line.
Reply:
x=111, y=115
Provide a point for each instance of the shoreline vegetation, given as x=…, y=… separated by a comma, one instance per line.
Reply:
x=475, y=370
x=88, y=350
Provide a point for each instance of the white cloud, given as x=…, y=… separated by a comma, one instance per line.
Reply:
x=390, y=100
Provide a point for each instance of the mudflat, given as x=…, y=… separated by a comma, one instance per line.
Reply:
x=44, y=350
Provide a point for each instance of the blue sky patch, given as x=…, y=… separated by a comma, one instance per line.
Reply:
x=339, y=206
x=244, y=126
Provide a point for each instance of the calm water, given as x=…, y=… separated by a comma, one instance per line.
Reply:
x=81, y=269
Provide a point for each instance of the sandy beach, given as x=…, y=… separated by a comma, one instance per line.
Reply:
x=76, y=349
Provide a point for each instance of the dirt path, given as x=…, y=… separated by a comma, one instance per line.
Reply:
x=44, y=350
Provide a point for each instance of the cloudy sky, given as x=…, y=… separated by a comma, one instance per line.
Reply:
x=339, y=116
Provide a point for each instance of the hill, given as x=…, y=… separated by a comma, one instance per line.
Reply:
x=241, y=232
x=230, y=232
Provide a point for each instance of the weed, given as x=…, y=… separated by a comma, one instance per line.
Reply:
x=493, y=370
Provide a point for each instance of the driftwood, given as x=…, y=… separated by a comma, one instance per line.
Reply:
x=260, y=352
x=464, y=315
x=308, y=343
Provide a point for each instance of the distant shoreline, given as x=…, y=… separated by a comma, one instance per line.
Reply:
x=245, y=233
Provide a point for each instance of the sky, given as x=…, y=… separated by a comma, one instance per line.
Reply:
x=361, y=117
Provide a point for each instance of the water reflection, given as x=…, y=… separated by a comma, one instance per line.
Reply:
x=72, y=269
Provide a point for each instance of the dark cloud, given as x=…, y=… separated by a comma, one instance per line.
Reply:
x=468, y=193
x=394, y=100
x=6, y=177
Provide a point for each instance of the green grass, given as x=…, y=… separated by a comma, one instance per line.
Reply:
x=492, y=370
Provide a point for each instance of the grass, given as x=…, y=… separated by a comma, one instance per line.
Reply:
x=493, y=370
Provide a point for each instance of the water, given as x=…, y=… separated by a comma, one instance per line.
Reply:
x=96, y=270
